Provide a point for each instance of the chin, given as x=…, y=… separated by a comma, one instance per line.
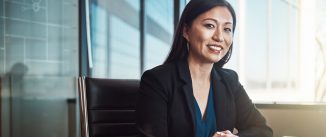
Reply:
x=216, y=59
x=213, y=58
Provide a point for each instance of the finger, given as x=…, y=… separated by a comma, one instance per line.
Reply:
x=227, y=132
x=219, y=134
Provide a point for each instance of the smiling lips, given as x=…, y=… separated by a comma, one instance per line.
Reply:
x=215, y=48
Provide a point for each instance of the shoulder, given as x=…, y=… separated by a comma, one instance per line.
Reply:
x=160, y=75
x=160, y=72
x=165, y=68
x=158, y=80
x=229, y=76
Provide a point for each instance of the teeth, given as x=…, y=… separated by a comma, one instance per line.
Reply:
x=215, y=47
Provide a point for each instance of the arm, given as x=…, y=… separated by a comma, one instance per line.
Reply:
x=151, y=109
x=250, y=123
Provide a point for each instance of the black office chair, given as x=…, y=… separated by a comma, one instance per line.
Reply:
x=107, y=107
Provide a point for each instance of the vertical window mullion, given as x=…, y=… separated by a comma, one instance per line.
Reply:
x=142, y=35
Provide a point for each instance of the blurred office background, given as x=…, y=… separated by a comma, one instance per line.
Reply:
x=279, y=54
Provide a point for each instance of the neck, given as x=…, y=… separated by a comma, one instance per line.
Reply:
x=199, y=71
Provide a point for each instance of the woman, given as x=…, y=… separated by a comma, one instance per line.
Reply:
x=191, y=94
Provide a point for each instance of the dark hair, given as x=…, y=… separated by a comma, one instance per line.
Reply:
x=193, y=9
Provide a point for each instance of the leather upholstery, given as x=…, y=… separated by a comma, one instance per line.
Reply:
x=111, y=106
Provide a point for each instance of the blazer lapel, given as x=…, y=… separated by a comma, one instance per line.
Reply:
x=219, y=99
x=219, y=89
x=184, y=74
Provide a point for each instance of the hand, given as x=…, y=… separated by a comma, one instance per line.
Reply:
x=226, y=133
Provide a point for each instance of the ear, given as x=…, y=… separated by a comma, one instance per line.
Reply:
x=185, y=32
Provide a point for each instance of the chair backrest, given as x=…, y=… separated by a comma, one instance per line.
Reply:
x=107, y=107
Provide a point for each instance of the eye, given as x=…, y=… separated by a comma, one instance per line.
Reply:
x=227, y=29
x=209, y=26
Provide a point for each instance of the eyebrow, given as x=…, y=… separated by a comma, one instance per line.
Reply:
x=217, y=21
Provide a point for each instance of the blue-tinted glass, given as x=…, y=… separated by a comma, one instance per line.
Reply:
x=2, y=66
x=115, y=38
x=182, y=6
x=234, y=4
x=1, y=7
x=2, y=62
x=256, y=35
x=279, y=44
x=134, y=4
x=159, y=31
x=38, y=66
x=27, y=11
x=293, y=45
x=1, y=33
x=125, y=55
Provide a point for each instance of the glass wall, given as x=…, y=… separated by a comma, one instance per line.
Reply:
x=159, y=31
x=320, y=95
x=272, y=51
x=256, y=36
x=38, y=66
x=279, y=50
x=120, y=46
x=268, y=44
x=115, y=37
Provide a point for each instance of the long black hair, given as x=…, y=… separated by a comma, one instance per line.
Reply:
x=193, y=9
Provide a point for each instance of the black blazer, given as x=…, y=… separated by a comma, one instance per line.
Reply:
x=165, y=104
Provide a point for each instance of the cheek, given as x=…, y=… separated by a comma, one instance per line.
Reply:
x=207, y=35
x=201, y=36
x=199, y=40
x=228, y=40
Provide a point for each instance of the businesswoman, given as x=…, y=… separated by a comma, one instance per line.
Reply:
x=191, y=95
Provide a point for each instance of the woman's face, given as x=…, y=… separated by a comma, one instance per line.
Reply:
x=210, y=35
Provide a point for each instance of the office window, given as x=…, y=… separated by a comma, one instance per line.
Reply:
x=272, y=50
x=283, y=48
x=256, y=44
x=321, y=51
x=278, y=57
x=115, y=38
x=159, y=31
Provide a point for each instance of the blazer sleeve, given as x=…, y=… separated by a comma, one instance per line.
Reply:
x=151, y=111
x=250, y=122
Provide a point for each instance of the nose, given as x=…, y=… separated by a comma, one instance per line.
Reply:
x=218, y=35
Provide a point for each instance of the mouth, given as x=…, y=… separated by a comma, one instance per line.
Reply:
x=215, y=48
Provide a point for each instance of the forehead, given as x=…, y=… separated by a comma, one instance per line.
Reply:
x=219, y=13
